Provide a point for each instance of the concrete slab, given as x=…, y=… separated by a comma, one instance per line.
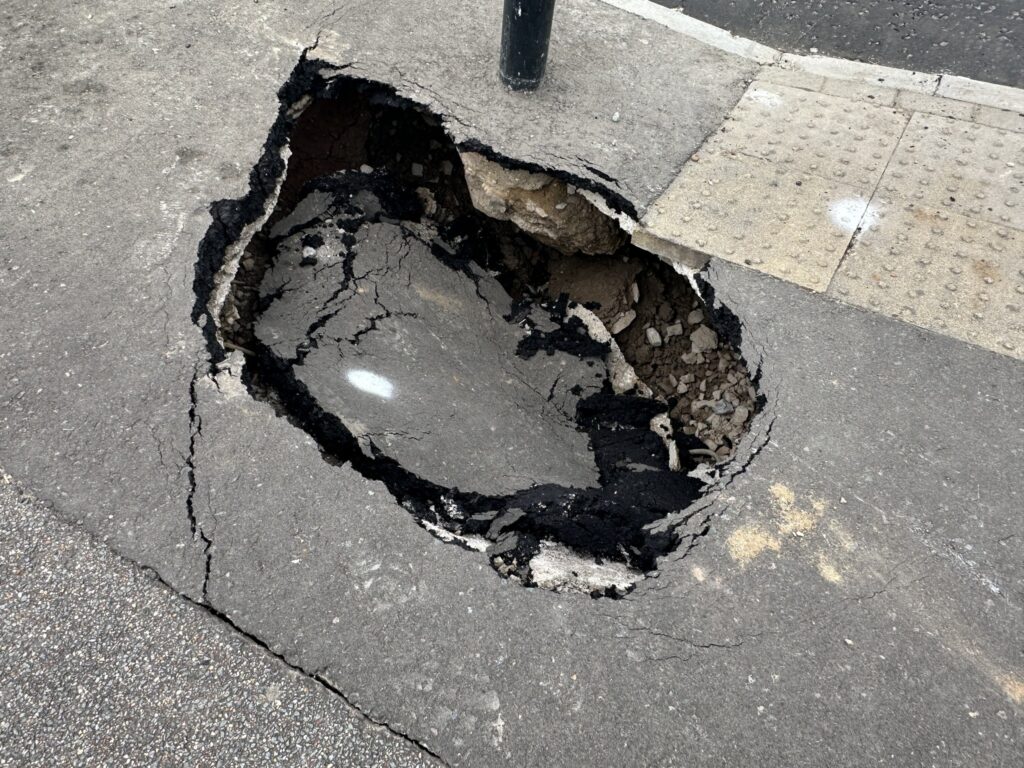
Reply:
x=762, y=214
x=604, y=61
x=840, y=140
x=793, y=215
x=875, y=74
x=1005, y=120
x=938, y=270
x=867, y=93
x=962, y=167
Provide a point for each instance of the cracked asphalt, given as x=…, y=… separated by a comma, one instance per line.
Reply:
x=851, y=595
x=104, y=665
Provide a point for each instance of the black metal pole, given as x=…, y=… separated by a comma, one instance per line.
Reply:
x=525, y=34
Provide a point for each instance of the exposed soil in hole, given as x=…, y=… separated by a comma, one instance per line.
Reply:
x=543, y=407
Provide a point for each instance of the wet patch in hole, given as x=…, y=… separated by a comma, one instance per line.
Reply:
x=523, y=380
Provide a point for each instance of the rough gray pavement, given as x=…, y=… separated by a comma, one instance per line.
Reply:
x=104, y=665
x=981, y=40
x=856, y=598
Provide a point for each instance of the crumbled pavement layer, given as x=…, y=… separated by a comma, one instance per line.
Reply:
x=668, y=334
x=495, y=422
x=421, y=341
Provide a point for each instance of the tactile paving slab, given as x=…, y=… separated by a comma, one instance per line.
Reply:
x=795, y=226
x=966, y=168
x=828, y=136
x=959, y=276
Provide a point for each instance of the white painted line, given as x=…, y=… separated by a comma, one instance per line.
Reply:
x=978, y=92
x=714, y=36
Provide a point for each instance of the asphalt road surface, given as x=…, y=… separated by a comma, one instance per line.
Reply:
x=982, y=40
x=103, y=665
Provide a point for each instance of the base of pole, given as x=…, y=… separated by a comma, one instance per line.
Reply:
x=521, y=83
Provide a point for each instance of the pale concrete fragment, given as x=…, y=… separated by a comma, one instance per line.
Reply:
x=743, y=209
x=867, y=73
x=989, y=94
x=558, y=568
x=942, y=271
x=654, y=240
x=962, y=167
x=703, y=338
x=912, y=101
x=541, y=205
x=623, y=321
x=814, y=133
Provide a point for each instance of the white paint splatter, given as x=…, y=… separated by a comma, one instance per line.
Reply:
x=852, y=212
x=767, y=98
x=370, y=382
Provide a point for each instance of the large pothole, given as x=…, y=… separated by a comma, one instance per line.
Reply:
x=525, y=382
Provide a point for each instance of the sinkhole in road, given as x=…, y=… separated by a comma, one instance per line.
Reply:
x=484, y=341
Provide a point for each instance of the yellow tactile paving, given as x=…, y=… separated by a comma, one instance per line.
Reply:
x=939, y=270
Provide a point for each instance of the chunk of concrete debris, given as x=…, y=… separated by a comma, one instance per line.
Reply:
x=534, y=203
x=696, y=317
x=722, y=407
x=676, y=329
x=653, y=337
x=622, y=322
x=703, y=338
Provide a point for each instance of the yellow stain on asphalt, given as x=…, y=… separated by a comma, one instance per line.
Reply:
x=827, y=570
x=795, y=521
x=749, y=541
x=1013, y=686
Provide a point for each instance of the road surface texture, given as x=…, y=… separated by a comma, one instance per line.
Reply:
x=849, y=592
x=104, y=665
x=981, y=40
